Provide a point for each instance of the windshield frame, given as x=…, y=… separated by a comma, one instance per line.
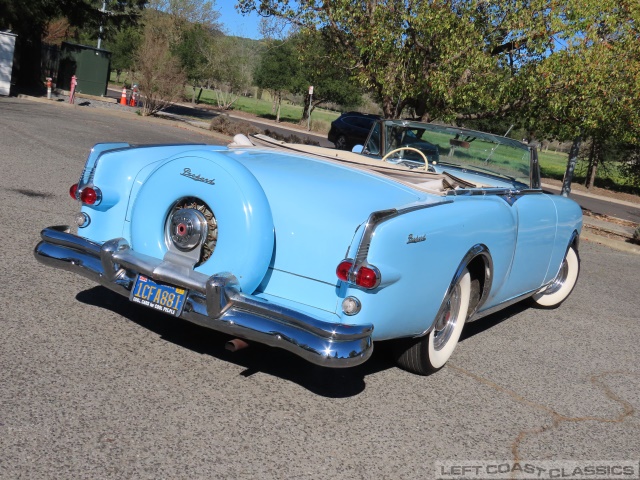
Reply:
x=534, y=168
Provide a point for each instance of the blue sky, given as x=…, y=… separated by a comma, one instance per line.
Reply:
x=236, y=24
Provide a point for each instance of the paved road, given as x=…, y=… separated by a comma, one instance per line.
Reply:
x=206, y=114
x=92, y=386
x=603, y=206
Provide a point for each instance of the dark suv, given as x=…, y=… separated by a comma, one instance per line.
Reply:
x=350, y=129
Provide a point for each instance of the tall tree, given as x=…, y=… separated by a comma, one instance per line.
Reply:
x=191, y=50
x=443, y=58
x=331, y=81
x=278, y=71
x=28, y=19
x=123, y=47
x=591, y=87
x=162, y=78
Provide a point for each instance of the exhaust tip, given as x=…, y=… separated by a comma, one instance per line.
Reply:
x=235, y=345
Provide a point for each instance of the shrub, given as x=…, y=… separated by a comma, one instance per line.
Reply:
x=230, y=126
x=636, y=235
x=292, y=138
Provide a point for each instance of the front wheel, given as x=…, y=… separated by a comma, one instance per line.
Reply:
x=428, y=354
x=558, y=291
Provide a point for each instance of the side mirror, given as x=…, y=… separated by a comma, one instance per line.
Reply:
x=357, y=149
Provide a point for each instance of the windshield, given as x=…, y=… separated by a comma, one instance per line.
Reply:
x=461, y=152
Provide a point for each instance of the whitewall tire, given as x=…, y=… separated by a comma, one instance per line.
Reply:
x=558, y=291
x=428, y=354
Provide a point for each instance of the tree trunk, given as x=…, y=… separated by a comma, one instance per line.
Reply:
x=279, y=102
x=193, y=97
x=388, y=107
x=593, y=164
x=571, y=166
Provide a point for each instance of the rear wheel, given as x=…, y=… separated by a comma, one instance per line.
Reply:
x=428, y=354
x=562, y=286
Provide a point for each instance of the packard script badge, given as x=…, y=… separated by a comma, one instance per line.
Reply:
x=412, y=239
x=187, y=173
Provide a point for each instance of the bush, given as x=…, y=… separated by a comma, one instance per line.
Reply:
x=293, y=138
x=636, y=235
x=229, y=126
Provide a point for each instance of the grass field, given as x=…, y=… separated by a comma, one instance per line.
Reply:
x=554, y=165
x=320, y=118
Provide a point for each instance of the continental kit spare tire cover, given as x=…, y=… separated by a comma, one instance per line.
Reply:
x=245, y=236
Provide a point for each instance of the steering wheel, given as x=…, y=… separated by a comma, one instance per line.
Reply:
x=426, y=162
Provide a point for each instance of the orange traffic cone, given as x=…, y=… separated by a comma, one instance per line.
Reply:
x=123, y=99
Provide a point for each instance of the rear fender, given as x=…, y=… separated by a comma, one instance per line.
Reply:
x=115, y=169
x=428, y=268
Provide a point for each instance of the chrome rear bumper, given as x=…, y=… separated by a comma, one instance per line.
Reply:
x=214, y=302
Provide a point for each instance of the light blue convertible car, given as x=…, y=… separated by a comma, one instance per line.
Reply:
x=324, y=252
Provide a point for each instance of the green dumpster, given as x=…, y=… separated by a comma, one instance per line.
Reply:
x=90, y=65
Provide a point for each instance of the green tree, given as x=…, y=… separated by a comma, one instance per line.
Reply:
x=28, y=19
x=442, y=59
x=123, y=47
x=192, y=52
x=227, y=65
x=591, y=87
x=278, y=71
x=331, y=81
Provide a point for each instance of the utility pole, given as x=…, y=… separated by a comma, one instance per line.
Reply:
x=309, y=113
x=104, y=9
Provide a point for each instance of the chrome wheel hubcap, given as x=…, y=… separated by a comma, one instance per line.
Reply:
x=560, y=279
x=446, y=324
x=192, y=224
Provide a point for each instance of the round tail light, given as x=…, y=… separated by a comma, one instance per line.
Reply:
x=367, y=277
x=90, y=196
x=73, y=191
x=343, y=270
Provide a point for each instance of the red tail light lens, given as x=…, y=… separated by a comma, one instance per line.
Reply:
x=343, y=270
x=367, y=277
x=73, y=191
x=88, y=196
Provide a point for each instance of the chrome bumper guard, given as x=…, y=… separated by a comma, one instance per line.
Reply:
x=214, y=302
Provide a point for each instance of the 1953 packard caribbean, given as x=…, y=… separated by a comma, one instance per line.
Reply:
x=324, y=252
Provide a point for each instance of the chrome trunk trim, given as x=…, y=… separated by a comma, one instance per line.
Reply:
x=214, y=302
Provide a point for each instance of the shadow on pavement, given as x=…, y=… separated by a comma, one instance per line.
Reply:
x=331, y=383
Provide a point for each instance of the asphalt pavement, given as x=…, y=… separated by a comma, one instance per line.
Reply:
x=93, y=386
